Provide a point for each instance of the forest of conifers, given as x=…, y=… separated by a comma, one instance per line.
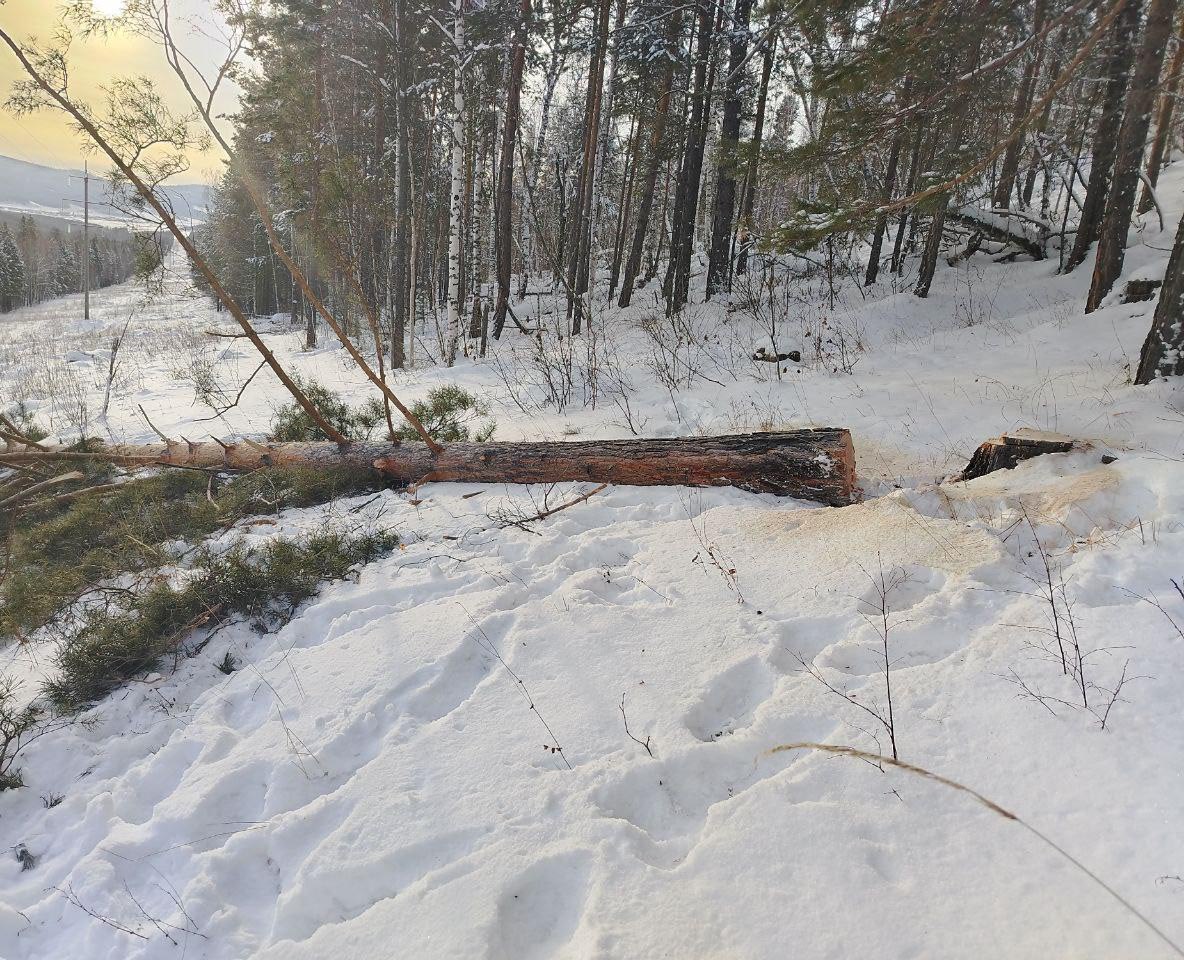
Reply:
x=406, y=172
x=40, y=263
x=439, y=162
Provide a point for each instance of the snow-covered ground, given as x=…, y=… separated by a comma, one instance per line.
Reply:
x=433, y=761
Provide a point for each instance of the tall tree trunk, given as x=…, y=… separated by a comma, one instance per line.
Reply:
x=504, y=199
x=625, y=202
x=1105, y=139
x=910, y=187
x=608, y=98
x=742, y=237
x=956, y=136
x=402, y=192
x=1163, y=350
x=1163, y=122
x=552, y=81
x=686, y=197
x=1023, y=104
x=456, y=195
x=873, y=258
x=581, y=224
x=1132, y=140
x=719, y=252
x=653, y=163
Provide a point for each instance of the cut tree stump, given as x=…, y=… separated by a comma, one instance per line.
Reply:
x=1004, y=452
x=810, y=464
x=1140, y=291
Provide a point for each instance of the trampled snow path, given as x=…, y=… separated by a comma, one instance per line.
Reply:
x=372, y=782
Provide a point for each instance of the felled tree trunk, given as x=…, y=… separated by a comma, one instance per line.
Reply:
x=998, y=227
x=810, y=464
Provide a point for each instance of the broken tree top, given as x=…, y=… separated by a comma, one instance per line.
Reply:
x=816, y=464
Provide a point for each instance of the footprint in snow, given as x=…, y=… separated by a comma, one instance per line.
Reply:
x=731, y=697
x=672, y=799
x=540, y=912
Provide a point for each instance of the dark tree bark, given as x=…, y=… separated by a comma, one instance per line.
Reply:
x=686, y=196
x=1132, y=140
x=957, y=130
x=719, y=252
x=910, y=187
x=1163, y=350
x=1105, y=139
x=1009, y=450
x=1163, y=122
x=653, y=164
x=932, y=249
x=398, y=278
x=625, y=203
x=580, y=235
x=873, y=259
x=504, y=199
x=1023, y=103
x=751, y=175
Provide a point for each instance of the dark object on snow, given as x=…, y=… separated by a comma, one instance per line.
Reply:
x=763, y=354
x=1139, y=291
x=810, y=464
x=24, y=858
x=1004, y=452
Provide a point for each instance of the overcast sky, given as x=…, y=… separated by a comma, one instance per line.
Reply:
x=45, y=137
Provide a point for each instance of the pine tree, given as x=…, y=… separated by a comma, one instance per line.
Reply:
x=12, y=271
x=1120, y=56
x=1132, y=141
x=1163, y=350
x=65, y=276
x=30, y=243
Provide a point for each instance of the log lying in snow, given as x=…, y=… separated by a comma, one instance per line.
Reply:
x=810, y=464
x=999, y=227
x=1006, y=451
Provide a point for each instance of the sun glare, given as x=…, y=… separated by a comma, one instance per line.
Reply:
x=108, y=8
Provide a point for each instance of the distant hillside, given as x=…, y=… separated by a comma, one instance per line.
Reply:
x=32, y=188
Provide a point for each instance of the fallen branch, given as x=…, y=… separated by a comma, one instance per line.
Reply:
x=38, y=487
x=646, y=742
x=71, y=495
x=543, y=514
